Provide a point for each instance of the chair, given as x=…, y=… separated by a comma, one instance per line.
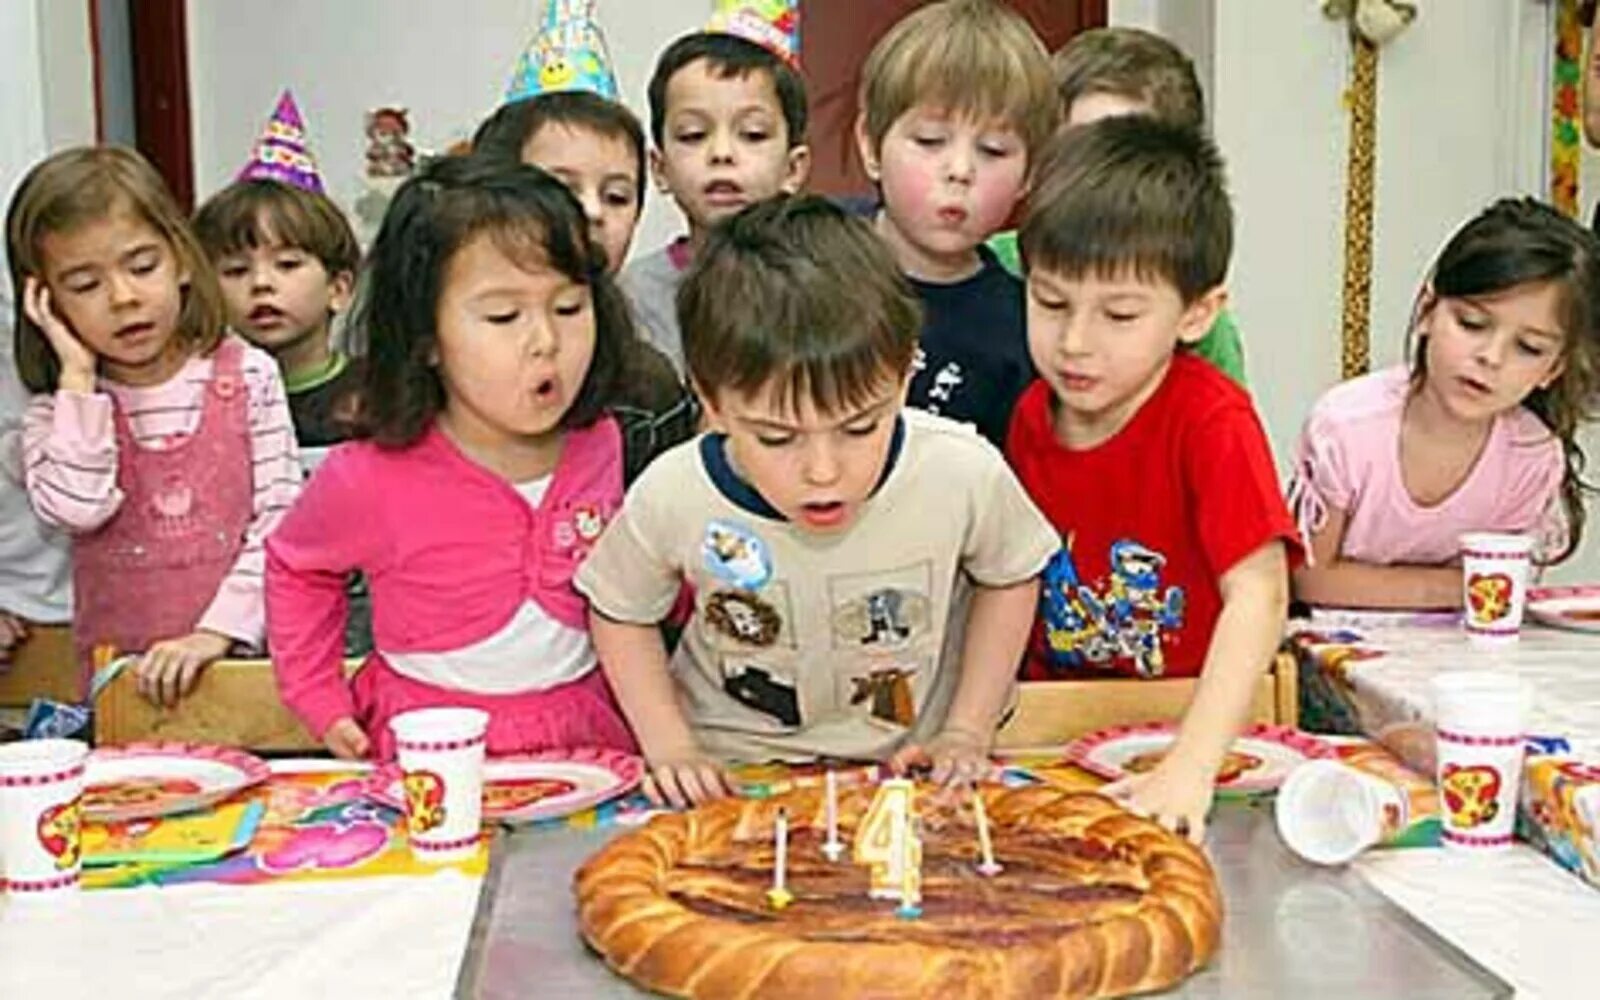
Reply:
x=234, y=703
x=44, y=666
x=1050, y=713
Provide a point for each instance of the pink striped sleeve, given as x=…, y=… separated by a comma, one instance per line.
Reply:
x=238, y=610
x=69, y=454
x=330, y=532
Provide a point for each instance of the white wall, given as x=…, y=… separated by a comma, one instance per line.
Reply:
x=448, y=62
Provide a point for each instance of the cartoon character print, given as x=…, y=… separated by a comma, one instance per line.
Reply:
x=758, y=687
x=132, y=792
x=424, y=801
x=511, y=794
x=1471, y=794
x=744, y=617
x=58, y=830
x=736, y=556
x=1235, y=764
x=1124, y=619
x=577, y=531
x=1488, y=597
x=885, y=618
x=887, y=692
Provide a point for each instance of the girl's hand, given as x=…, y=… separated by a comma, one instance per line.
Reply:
x=13, y=633
x=168, y=670
x=685, y=778
x=1175, y=794
x=77, y=361
x=954, y=757
x=346, y=740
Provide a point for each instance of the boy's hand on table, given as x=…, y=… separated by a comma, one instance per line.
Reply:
x=953, y=757
x=1176, y=794
x=168, y=669
x=685, y=777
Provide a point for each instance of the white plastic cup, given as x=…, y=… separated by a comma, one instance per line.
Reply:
x=1494, y=585
x=441, y=754
x=1328, y=812
x=1480, y=718
x=41, y=817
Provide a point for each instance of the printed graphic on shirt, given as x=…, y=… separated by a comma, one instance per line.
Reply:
x=886, y=689
x=942, y=385
x=880, y=611
x=763, y=687
x=579, y=527
x=744, y=618
x=1123, y=618
x=736, y=555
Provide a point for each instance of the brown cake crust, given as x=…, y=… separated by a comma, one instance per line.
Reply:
x=1092, y=902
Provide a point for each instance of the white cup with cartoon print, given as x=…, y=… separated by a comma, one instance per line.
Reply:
x=441, y=751
x=1495, y=569
x=1329, y=812
x=1479, y=718
x=41, y=818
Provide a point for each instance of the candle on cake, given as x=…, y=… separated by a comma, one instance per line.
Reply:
x=779, y=895
x=986, y=862
x=832, y=849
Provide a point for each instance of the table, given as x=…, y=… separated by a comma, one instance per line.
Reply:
x=1291, y=930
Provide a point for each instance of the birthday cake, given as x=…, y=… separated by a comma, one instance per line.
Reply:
x=1088, y=901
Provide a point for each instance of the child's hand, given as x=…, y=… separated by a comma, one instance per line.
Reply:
x=77, y=361
x=168, y=670
x=685, y=778
x=955, y=757
x=346, y=740
x=13, y=633
x=1175, y=794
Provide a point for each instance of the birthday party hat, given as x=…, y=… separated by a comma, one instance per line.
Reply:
x=281, y=154
x=569, y=53
x=772, y=24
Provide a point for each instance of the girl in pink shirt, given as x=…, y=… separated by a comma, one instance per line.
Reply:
x=161, y=443
x=499, y=344
x=1480, y=434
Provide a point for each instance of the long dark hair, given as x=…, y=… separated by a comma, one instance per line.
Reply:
x=1519, y=241
x=439, y=210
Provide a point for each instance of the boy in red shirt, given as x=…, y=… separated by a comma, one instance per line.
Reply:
x=1151, y=464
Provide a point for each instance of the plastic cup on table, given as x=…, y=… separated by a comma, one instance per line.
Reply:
x=1328, y=812
x=1494, y=580
x=1480, y=718
x=440, y=751
x=41, y=810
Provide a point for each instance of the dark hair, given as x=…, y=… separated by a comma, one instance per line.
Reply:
x=728, y=56
x=82, y=186
x=1132, y=63
x=263, y=212
x=1132, y=193
x=508, y=130
x=795, y=290
x=1519, y=241
x=532, y=218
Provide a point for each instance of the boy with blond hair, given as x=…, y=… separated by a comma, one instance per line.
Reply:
x=1153, y=466
x=956, y=101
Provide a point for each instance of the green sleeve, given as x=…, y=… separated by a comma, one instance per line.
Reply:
x=1004, y=245
x=1222, y=347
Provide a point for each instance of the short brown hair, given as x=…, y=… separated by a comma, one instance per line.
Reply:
x=795, y=291
x=1132, y=193
x=263, y=212
x=82, y=186
x=967, y=56
x=729, y=57
x=510, y=128
x=1132, y=63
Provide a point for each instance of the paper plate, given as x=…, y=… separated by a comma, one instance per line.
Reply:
x=1576, y=608
x=528, y=787
x=1258, y=761
x=142, y=780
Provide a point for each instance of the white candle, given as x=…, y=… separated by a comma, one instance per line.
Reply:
x=986, y=862
x=831, y=848
x=779, y=895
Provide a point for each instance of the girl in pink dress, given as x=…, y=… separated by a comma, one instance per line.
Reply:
x=162, y=444
x=1478, y=434
x=499, y=348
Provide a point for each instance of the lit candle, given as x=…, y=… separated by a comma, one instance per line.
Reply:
x=986, y=862
x=832, y=849
x=779, y=895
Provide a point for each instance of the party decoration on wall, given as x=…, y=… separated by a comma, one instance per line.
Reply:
x=771, y=24
x=1566, y=143
x=281, y=153
x=1371, y=23
x=390, y=158
x=568, y=53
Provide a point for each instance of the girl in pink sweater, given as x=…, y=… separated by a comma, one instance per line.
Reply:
x=159, y=442
x=1478, y=434
x=499, y=345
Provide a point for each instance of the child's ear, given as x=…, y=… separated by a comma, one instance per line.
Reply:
x=341, y=288
x=1199, y=315
x=711, y=418
x=658, y=172
x=799, y=169
x=869, y=156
